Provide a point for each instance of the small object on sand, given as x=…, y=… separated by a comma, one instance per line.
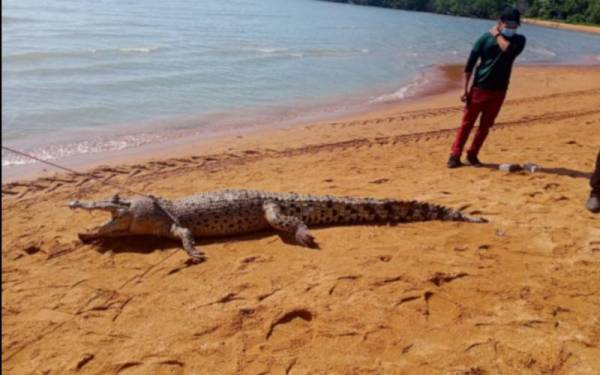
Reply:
x=531, y=167
x=510, y=167
x=593, y=204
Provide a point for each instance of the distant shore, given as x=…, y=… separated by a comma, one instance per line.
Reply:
x=562, y=25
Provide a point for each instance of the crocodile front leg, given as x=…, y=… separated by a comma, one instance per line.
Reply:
x=187, y=239
x=290, y=224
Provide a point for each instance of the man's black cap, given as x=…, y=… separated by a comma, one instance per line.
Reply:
x=511, y=15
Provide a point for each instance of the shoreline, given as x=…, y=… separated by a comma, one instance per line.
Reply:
x=433, y=81
x=450, y=76
x=562, y=25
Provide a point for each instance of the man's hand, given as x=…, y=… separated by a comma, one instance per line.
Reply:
x=465, y=97
x=503, y=43
x=495, y=30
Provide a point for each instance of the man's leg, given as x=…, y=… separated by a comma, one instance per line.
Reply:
x=593, y=203
x=490, y=111
x=470, y=114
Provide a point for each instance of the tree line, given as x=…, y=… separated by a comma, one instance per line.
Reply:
x=574, y=11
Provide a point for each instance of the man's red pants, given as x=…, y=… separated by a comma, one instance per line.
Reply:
x=486, y=102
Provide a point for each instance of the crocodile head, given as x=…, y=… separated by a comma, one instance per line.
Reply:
x=116, y=206
x=137, y=215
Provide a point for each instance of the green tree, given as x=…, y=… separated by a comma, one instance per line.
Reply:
x=592, y=14
x=587, y=11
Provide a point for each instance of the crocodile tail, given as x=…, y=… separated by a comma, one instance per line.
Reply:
x=402, y=211
x=432, y=211
x=330, y=210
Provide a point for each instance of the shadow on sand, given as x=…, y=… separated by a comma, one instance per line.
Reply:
x=559, y=171
x=148, y=244
x=144, y=244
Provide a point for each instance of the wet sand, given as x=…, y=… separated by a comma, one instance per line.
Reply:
x=516, y=295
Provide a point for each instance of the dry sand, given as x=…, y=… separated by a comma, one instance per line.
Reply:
x=518, y=295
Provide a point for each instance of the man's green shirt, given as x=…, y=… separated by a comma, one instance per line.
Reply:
x=493, y=73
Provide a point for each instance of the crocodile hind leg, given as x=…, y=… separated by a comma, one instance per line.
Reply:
x=290, y=224
x=187, y=239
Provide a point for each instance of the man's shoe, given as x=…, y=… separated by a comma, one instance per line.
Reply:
x=474, y=161
x=454, y=162
x=593, y=204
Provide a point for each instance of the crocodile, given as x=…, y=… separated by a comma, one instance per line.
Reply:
x=235, y=212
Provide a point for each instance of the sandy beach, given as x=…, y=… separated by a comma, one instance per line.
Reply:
x=516, y=295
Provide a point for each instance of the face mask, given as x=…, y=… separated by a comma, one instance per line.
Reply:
x=508, y=32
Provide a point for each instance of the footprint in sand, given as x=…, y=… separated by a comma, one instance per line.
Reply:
x=84, y=361
x=551, y=186
x=294, y=315
x=380, y=181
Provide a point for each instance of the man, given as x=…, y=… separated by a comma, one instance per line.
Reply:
x=593, y=203
x=497, y=50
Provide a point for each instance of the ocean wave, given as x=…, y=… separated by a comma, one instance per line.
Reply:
x=30, y=71
x=60, y=151
x=542, y=51
x=283, y=52
x=139, y=49
x=9, y=20
x=32, y=56
x=124, y=49
x=402, y=93
x=272, y=50
x=348, y=27
x=332, y=52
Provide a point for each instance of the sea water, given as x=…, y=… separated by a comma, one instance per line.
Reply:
x=82, y=77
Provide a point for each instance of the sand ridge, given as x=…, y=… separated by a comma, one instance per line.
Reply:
x=517, y=295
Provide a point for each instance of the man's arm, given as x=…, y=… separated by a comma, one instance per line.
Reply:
x=503, y=43
x=512, y=47
x=473, y=58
